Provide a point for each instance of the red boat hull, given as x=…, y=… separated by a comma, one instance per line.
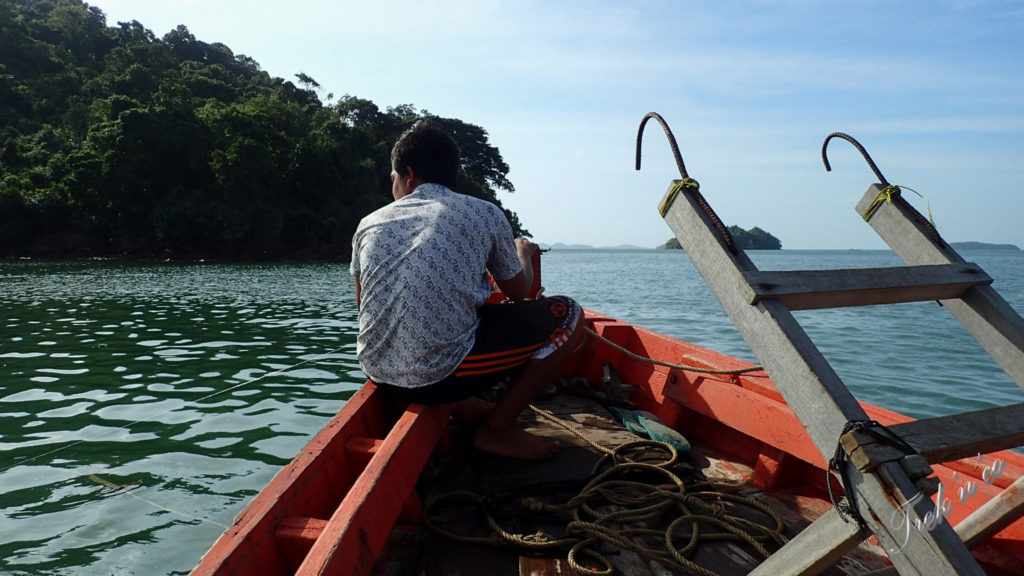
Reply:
x=331, y=510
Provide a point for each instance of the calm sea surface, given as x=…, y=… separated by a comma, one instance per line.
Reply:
x=195, y=383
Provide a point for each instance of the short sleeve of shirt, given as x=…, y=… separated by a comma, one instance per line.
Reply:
x=353, y=267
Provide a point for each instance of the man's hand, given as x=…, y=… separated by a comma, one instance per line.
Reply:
x=517, y=288
x=525, y=248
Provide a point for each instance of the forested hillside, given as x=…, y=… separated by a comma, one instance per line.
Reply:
x=114, y=142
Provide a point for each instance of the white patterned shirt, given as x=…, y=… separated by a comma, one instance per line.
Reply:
x=422, y=265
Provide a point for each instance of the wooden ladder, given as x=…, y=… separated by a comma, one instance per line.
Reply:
x=883, y=479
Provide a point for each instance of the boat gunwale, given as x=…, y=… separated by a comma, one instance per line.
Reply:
x=244, y=546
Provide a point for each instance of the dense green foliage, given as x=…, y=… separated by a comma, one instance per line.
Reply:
x=753, y=239
x=114, y=142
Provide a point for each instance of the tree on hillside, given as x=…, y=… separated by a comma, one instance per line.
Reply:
x=116, y=142
x=754, y=239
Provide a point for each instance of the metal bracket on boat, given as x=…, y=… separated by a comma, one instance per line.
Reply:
x=859, y=147
x=684, y=183
x=671, y=142
x=887, y=192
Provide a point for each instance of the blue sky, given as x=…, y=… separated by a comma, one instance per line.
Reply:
x=933, y=90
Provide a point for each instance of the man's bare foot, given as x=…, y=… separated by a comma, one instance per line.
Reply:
x=473, y=410
x=514, y=443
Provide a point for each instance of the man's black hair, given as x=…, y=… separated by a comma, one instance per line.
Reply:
x=430, y=150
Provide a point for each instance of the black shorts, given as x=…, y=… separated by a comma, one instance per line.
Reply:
x=508, y=336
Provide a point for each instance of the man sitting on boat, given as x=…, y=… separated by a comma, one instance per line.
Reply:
x=426, y=334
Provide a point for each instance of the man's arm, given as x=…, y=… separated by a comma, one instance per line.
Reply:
x=517, y=287
x=359, y=290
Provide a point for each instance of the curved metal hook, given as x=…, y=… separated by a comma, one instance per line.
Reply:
x=857, y=145
x=671, y=142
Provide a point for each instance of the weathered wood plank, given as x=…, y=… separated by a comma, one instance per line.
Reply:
x=964, y=435
x=943, y=438
x=814, y=289
x=926, y=552
x=994, y=515
x=982, y=311
x=817, y=547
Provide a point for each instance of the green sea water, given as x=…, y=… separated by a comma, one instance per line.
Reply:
x=196, y=382
x=192, y=384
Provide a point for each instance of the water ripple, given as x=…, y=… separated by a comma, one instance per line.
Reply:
x=183, y=378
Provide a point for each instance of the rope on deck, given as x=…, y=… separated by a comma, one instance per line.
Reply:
x=686, y=367
x=699, y=513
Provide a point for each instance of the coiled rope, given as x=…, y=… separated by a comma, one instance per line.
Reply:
x=615, y=509
x=685, y=367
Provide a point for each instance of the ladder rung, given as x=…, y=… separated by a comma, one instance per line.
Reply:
x=814, y=289
x=944, y=438
x=998, y=513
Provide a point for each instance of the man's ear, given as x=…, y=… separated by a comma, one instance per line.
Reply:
x=413, y=179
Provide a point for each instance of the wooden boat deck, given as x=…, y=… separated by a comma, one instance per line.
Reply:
x=414, y=549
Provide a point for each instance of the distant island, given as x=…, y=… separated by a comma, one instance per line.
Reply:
x=753, y=239
x=562, y=246
x=982, y=246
